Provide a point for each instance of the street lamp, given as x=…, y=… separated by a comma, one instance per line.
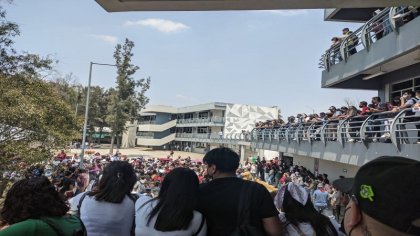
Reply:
x=87, y=109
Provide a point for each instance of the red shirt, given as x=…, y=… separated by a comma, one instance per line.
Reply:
x=364, y=110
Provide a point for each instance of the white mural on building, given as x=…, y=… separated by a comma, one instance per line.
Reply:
x=243, y=117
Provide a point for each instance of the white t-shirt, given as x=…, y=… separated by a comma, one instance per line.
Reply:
x=142, y=229
x=306, y=228
x=104, y=218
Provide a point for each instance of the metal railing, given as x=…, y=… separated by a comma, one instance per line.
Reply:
x=387, y=21
x=145, y=122
x=397, y=127
x=212, y=136
x=201, y=120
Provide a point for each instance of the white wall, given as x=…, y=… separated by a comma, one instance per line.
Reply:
x=243, y=117
x=332, y=168
x=269, y=155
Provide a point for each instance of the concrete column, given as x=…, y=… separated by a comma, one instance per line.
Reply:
x=242, y=153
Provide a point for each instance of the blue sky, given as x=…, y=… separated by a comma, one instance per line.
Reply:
x=267, y=58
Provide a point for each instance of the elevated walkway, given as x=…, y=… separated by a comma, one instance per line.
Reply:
x=354, y=141
x=157, y=127
x=143, y=141
x=385, y=47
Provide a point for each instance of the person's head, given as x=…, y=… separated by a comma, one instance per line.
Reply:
x=408, y=94
x=117, y=181
x=332, y=109
x=221, y=162
x=376, y=100
x=383, y=209
x=418, y=94
x=295, y=202
x=345, y=30
x=31, y=199
x=334, y=40
x=178, y=197
x=363, y=104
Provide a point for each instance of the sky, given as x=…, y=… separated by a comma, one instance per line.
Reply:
x=265, y=58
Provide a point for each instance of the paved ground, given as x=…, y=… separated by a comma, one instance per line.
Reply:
x=134, y=152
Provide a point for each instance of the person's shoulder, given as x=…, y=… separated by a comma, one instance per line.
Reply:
x=141, y=201
x=23, y=228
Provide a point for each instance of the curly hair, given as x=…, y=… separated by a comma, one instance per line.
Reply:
x=31, y=199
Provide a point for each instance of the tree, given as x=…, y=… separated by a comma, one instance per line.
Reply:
x=125, y=101
x=34, y=118
x=31, y=65
x=33, y=121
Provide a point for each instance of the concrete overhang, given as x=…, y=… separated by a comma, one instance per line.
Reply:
x=359, y=15
x=220, y=5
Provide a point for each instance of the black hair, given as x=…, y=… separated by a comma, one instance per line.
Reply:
x=297, y=213
x=377, y=99
x=364, y=103
x=31, y=199
x=178, y=197
x=225, y=159
x=117, y=181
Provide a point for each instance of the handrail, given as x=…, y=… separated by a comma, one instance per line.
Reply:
x=393, y=126
x=375, y=28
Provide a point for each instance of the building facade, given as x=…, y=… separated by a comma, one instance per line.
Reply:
x=196, y=128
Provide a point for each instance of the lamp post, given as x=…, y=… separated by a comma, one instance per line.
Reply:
x=87, y=109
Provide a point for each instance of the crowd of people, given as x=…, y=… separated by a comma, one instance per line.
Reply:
x=379, y=28
x=409, y=100
x=179, y=196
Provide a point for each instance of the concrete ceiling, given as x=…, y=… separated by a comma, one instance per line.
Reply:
x=217, y=5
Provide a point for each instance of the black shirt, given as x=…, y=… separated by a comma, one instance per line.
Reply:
x=219, y=202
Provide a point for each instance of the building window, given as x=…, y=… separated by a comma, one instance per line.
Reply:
x=202, y=130
x=399, y=88
x=203, y=115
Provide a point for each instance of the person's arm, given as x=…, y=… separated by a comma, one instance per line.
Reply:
x=272, y=226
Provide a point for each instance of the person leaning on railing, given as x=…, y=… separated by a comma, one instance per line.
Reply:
x=351, y=42
x=335, y=50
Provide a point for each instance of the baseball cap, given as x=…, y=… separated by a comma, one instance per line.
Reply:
x=387, y=189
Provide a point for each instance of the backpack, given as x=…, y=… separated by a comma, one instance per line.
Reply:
x=133, y=197
x=79, y=232
x=243, y=227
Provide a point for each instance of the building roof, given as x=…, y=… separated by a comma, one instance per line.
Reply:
x=215, y=5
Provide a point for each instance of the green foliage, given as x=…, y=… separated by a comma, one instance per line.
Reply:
x=34, y=119
x=11, y=61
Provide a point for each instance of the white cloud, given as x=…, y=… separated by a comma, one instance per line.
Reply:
x=161, y=25
x=288, y=12
x=180, y=96
x=106, y=38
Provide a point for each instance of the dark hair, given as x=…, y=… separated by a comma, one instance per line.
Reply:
x=31, y=199
x=117, y=181
x=377, y=99
x=225, y=159
x=178, y=197
x=364, y=103
x=297, y=213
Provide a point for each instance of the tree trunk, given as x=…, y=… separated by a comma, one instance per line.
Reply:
x=111, y=150
x=101, y=129
x=118, y=142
